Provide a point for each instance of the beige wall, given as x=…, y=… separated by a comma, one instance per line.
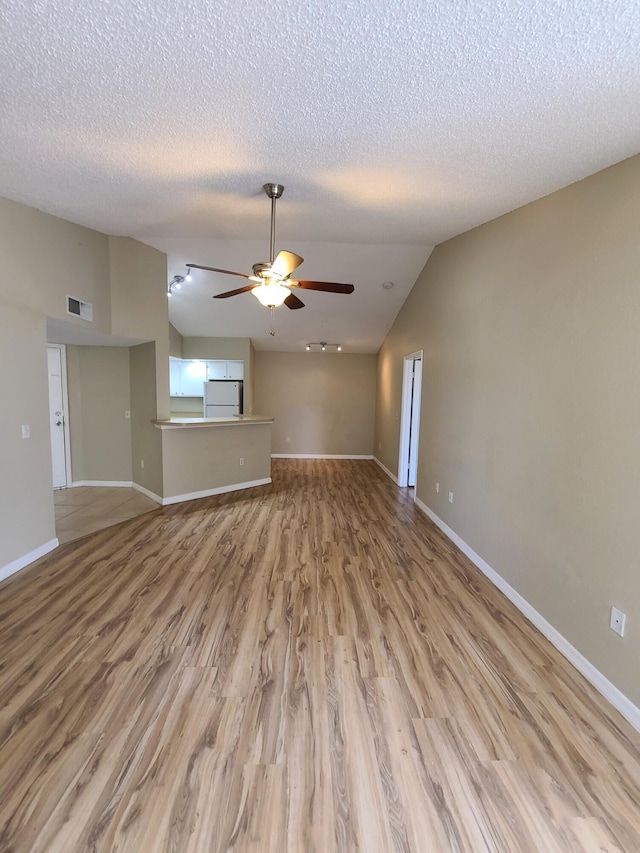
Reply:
x=138, y=276
x=199, y=459
x=175, y=342
x=74, y=412
x=322, y=402
x=26, y=505
x=530, y=405
x=45, y=258
x=234, y=349
x=99, y=395
x=126, y=284
x=146, y=442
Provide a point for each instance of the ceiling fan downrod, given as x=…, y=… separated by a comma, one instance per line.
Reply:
x=271, y=281
x=274, y=191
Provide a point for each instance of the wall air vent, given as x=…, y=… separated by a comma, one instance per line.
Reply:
x=79, y=308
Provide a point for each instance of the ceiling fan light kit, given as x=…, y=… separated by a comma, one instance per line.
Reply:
x=271, y=294
x=271, y=281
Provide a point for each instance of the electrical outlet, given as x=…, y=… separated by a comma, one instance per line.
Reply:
x=242, y=460
x=450, y=497
x=142, y=463
x=127, y=415
x=437, y=487
x=26, y=431
x=618, y=619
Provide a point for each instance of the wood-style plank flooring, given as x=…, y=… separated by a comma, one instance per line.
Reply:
x=306, y=666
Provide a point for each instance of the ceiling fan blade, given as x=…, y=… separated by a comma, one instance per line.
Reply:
x=235, y=292
x=293, y=302
x=326, y=286
x=285, y=263
x=215, y=269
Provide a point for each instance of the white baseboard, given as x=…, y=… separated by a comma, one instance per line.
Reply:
x=119, y=484
x=146, y=492
x=207, y=493
x=317, y=456
x=26, y=559
x=386, y=471
x=610, y=692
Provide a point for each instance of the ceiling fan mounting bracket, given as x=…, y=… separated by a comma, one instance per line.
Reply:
x=273, y=190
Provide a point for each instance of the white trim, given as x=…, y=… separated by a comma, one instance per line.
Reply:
x=65, y=409
x=26, y=559
x=610, y=692
x=116, y=484
x=386, y=470
x=206, y=493
x=146, y=492
x=318, y=456
x=408, y=415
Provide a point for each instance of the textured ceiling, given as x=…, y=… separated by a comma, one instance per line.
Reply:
x=390, y=123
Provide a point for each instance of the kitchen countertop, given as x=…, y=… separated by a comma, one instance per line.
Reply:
x=236, y=420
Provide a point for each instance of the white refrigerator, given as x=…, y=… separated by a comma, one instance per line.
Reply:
x=222, y=398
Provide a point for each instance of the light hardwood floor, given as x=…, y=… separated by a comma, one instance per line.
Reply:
x=306, y=666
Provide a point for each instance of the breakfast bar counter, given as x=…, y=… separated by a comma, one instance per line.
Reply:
x=236, y=420
x=209, y=456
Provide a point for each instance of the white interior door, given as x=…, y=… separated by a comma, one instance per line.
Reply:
x=57, y=418
x=415, y=421
x=410, y=419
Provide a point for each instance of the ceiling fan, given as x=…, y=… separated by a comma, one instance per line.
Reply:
x=272, y=282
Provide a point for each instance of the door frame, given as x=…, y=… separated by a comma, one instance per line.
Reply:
x=65, y=408
x=407, y=422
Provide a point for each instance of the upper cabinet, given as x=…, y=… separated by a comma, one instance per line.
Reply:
x=186, y=377
x=225, y=370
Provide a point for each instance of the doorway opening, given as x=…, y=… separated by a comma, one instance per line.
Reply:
x=410, y=419
x=58, y=420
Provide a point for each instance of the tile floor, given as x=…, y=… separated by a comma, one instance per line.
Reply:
x=84, y=509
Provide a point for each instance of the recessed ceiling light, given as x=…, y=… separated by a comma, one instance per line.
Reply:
x=387, y=285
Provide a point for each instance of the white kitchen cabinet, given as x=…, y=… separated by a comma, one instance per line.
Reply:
x=175, y=384
x=194, y=374
x=225, y=369
x=235, y=370
x=186, y=378
x=216, y=370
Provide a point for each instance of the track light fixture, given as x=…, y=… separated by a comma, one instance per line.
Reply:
x=323, y=346
x=177, y=282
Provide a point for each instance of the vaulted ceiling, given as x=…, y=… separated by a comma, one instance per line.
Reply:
x=393, y=124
